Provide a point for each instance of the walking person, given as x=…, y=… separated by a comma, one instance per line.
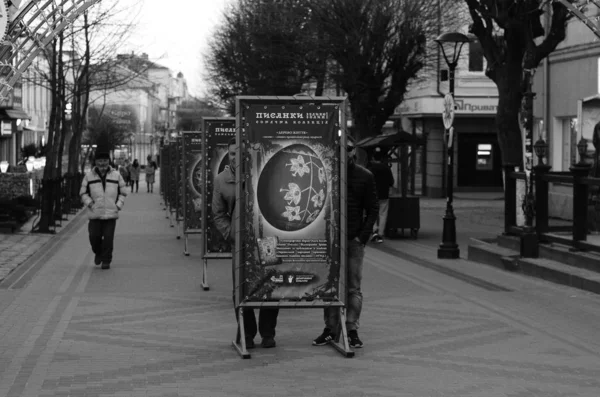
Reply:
x=128, y=172
x=124, y=171
x=384, y=180
x=103, y=193
x=150, y=172
x=362, y=210
x=134, y=174
x=223, y=206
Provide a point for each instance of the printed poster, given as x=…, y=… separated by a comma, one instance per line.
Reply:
x=193, y=182
x=219, y=132
x=291, y=239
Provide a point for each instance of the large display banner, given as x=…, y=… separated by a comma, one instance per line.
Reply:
x=192, y=181
x=290, y=219
x=218, y=132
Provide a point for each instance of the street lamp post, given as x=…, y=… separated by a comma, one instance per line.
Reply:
x=451, y=44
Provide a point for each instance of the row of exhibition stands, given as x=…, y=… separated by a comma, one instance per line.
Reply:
x=289, y=222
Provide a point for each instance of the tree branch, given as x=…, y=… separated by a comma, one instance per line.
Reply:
x=558, y=27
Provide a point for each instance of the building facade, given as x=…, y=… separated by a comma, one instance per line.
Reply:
x=477, y=165
x=566, y=105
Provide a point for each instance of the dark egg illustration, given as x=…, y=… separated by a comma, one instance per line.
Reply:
x=292, y=188
x=224, y=162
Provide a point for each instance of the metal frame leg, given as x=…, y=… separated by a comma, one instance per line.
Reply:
x=205, y=286
x=342, y=346
x=240, y=346
x=185, y=245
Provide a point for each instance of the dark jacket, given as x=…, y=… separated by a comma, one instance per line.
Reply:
x=363, y=206
x=384, y=179
x=223, y=203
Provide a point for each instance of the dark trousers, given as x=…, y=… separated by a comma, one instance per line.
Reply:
x=267, y=321
x=135, y=183
x=102, y=237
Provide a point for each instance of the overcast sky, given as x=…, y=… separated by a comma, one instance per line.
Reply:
x=174, y=33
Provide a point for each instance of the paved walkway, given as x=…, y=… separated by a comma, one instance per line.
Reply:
x=146, y=328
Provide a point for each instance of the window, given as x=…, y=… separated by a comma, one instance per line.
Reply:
x=475, y=56
x=485, y=158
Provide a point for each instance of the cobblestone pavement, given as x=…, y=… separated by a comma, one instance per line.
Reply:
x=146, y=328
x=17, y=248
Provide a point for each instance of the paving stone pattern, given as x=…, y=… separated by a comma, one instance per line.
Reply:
x=146, y=328
x=17, y=248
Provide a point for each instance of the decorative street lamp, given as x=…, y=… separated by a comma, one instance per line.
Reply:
x=451, y=44
x=541, y=149
x=582, y=147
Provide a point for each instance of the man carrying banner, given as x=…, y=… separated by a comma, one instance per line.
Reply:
x=223, y=205
x=362, y=211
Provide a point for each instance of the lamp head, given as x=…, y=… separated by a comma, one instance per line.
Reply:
x=451, y=44
x=541, y=148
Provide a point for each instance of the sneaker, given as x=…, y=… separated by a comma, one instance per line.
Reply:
x=97, y=260
x=378, y=239
x=250, y=343
x=323, y=339
x=354, y=340
x=268, y=342
x=105, y=265
x=374, y=237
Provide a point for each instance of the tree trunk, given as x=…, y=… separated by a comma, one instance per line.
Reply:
x=507, y=117
x=47, y=195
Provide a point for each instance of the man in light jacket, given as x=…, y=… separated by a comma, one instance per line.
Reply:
x=103, y=193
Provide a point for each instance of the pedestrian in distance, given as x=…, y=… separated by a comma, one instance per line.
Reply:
x=223, y=206
x=124, y=171
x=362, y=209
x=128, y=173
x=150, y=172
x=134, y=174
x=384, y=180
x=103, y=193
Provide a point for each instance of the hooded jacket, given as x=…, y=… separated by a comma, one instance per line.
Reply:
x=103, y=197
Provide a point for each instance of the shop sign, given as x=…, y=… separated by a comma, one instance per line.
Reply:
x=462, y=106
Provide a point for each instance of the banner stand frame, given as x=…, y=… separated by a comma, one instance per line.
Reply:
x=338, y=129
x=204, y=283
x=340, y=343
x=207, y=130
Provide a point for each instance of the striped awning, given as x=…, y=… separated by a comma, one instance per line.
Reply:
x=13, y=114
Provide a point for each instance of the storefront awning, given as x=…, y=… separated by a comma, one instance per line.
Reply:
x=386, y=141
x=13, y=114
x=34, y=128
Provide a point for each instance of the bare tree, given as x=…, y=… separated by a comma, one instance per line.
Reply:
x=514, y=43
x=262, y=47
x=190, y=114
x=68, y=77
x=381, y=47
